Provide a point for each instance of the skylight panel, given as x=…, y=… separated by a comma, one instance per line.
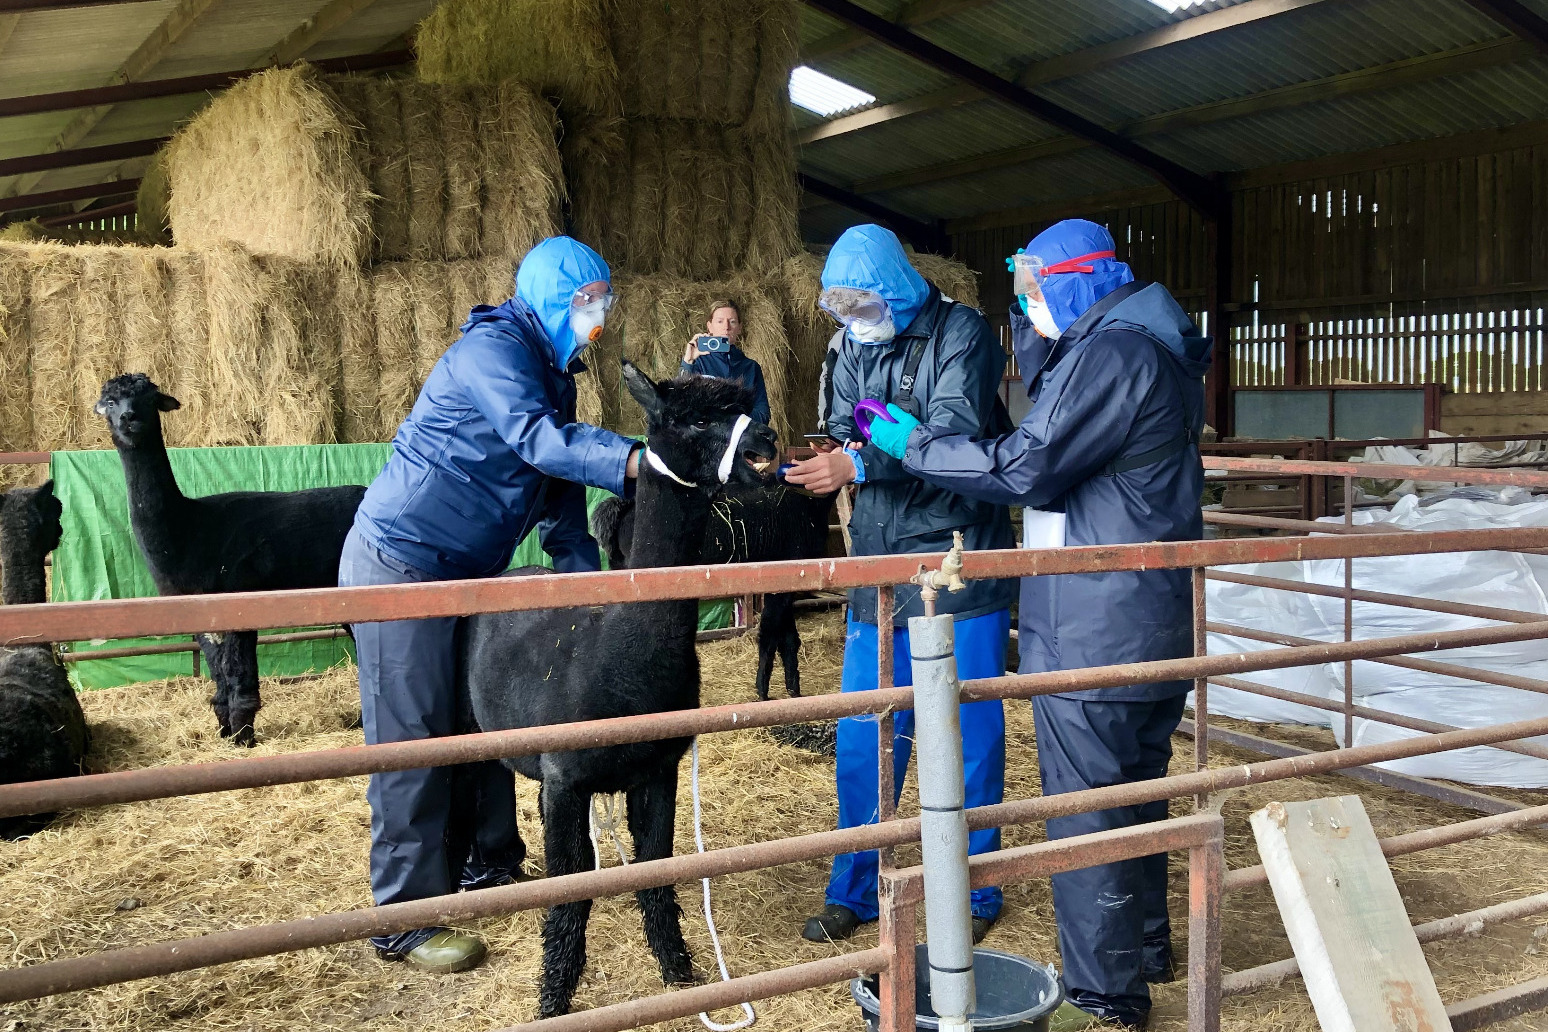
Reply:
x=1173, y=6
x=823, y=94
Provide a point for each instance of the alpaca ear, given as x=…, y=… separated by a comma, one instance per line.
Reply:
x=642, y=388
x=167, y=403
x=46, y=490
x=100, y=408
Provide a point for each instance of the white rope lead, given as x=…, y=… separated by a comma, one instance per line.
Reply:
x=709, y=918
x=607, y=812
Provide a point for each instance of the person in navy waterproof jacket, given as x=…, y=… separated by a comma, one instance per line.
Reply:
x=725, y=320
x=1107, y=454
x=892, y=320
x=490, y=452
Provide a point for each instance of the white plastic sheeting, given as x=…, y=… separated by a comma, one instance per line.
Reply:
x=1503, y=579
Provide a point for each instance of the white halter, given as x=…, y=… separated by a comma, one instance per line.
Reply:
x=733, y=447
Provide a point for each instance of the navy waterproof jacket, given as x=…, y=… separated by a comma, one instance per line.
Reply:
x=1126, y=379
x=735, y=365
x=490, y=452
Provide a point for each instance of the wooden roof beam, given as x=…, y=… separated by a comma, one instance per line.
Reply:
x=914, y=14
x=1407, y=72
x=74, y=193
x=146, y=56
x=923, y=235
x=30, y=163
x=1198, y=191
x=1065, y=66
x=1519, y=19
x=17, y=6
x=152, y=88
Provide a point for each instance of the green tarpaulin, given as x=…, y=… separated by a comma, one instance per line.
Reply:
x=98, y=558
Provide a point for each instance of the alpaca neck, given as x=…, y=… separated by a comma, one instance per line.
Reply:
x=669, y=522
x=22, y=579
x=148, y=473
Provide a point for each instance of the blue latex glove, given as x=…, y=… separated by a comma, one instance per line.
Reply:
x=892, y=438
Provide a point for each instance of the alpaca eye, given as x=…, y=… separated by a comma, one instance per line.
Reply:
x=702, y=424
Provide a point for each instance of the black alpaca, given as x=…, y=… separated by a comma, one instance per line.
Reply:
x=760, y=523
x=42, y=729
x=241, y=541
x=555, y=666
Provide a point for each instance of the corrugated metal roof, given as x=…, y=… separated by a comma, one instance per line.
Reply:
x=1316, y=42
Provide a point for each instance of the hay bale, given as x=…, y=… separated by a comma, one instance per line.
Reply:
x=418, y=309
x=656, y=315
x=15, y=355
x=723, y=62
x=949, y=276
x=349, y=170
x=683, y=199
x=152, y=199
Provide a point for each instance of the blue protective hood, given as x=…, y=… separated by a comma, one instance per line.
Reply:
x=1154, y=312
x=548, y=278
x=1070, y=294
x=871, y=258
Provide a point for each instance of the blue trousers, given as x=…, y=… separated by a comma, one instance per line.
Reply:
x=980, y=648
x=408, y=691
x=1113, y=925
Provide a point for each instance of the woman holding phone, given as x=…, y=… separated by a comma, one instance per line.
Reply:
x=715, y=353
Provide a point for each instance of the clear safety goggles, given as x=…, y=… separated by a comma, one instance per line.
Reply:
x=584, y=298
x=849, y=305
x=1029, y=272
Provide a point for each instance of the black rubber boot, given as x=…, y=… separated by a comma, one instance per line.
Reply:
x=981, y=926
x=833, y=924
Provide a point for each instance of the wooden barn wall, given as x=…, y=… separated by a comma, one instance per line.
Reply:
x=1433, y=270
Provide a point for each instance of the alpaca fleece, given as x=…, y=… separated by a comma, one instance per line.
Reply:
x=555, y=666
x=42, y=729
x=239, y=541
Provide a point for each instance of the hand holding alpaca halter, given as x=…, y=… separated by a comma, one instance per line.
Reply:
x=733, y=447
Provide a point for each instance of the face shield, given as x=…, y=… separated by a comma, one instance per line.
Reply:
x=588, y=312
x=864, y=313
x=1029, y=273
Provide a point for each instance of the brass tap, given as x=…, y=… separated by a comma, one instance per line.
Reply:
x=949, y=576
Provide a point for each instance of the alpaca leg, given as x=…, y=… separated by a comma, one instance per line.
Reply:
x=241, y=652
x=220, y=702
x=766, y=649
x=788, y=640
x=652, y=817
x=568, y=851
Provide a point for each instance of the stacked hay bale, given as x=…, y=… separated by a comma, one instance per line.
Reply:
x=239, y=339
x=421, y=196
x=676, y=153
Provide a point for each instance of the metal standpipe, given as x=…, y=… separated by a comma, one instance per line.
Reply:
x=943, y=820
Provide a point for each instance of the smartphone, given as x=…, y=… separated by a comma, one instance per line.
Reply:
x=708, y=344
x=829, y=438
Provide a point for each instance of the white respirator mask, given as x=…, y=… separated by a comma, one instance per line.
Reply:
x=587, y=321
x=874, y=332
x=1041, y=317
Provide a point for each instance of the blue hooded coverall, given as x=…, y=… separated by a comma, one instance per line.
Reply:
x=1110, y=440
x=734, y=365
x=489, y=453
x=894, y=512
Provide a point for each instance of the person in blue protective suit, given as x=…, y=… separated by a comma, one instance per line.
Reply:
x=906, y=344
x=490, y=452
x=725, y=321
x=1106, y=454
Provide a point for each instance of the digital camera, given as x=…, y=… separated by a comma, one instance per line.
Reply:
x=709, y=345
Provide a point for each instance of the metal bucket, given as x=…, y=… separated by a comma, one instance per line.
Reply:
x=1014, y=993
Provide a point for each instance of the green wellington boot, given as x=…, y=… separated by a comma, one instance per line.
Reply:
x=1070, y=1018
x=448, y=952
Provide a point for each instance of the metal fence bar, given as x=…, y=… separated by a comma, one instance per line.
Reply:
x=1383, y=598
x=1420, y=841
x=687, y=1002
x=262, y=771
x=156, y=959
x=1453, y=927
x=236, y=611
x=1381, y=471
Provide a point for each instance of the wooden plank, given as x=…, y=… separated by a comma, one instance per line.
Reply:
x=1362, y=963
x=1495, y=403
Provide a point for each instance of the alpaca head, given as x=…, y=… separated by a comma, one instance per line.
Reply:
x=29, y=530
x=29, y=517
x=132, y=405
x=690, y=426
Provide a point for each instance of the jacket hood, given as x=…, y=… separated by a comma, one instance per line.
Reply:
x=1154, y=312
x=547, y=279
x=1070, y=294
x=871, y=258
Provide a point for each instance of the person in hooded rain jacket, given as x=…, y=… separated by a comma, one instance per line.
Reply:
x=889, y=314
x=1114, y=369
x=490, y=452
x=725, y=320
